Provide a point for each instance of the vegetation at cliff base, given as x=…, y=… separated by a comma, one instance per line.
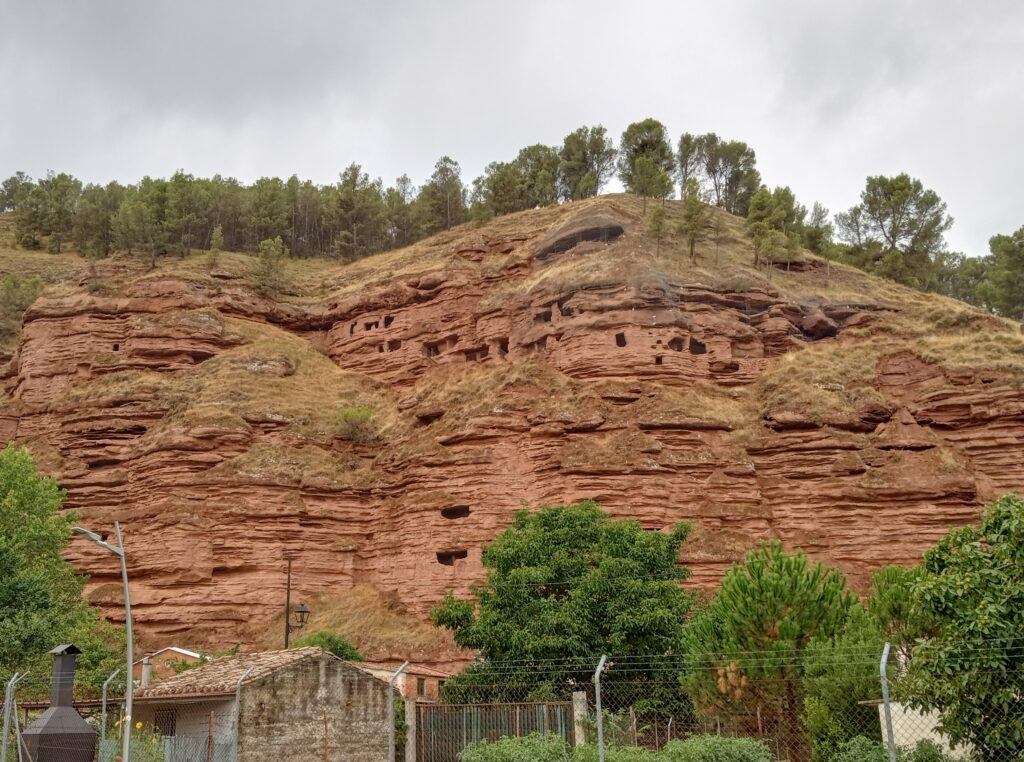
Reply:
x=565, y=583
x=41, y=603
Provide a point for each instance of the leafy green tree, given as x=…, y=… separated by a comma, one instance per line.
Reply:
x=567, y=583
x=359, y=214
x=60, y=193
x=645, y=140
x=217, y=239
x=691, y=161
x=539, y=167
x=771, y=246
x=331, y=642
x=964, y=278
x=228, y=209
x=650, y=181
x=586, y=161
x=441, y=203
x=756, y=631
x=656, y=226
x=775, y=221
x=271, y=265
x=818, y=231
x=500, y=190
x=402, y=226
x=41, y=603
x=1005, y=274
x=133, y=225
x=696, y=222
x=267, y=212
x=776, y=210
x=94, y=218
x=30, y=218
x=897, y=230
x=187, y=208
x=730, y=170
x=971, y=671
x=14, y=190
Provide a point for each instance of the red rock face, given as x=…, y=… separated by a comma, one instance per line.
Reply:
x=602, y=398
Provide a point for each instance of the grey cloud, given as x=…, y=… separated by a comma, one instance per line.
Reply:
x=827, y=93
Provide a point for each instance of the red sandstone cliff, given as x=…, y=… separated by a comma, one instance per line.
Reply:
x=546, y=357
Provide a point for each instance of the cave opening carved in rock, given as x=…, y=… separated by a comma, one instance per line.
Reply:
x=449, y=557
x=455, y=512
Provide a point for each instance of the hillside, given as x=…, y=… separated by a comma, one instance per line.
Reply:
x=547, y=356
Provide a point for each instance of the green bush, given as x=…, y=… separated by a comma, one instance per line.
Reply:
x=531, y=748
x=717, y=749
x=331, y=642
x=861, y=749
x=926, y=751
x=355, y=423
x=616, y=754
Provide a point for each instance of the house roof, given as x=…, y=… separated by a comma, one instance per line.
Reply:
x=180, y=651
x=412, y=669
x=221, y=676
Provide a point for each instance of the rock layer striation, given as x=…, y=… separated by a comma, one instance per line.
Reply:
x=541, y=360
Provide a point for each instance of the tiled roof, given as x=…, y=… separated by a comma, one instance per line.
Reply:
x=412, y=669
x=221, y=676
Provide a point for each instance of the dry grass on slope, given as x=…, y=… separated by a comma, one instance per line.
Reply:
x=377, y=626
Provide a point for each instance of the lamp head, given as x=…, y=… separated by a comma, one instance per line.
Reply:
x=98, y=538
x=301, y=615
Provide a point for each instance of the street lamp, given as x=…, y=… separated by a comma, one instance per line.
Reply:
x=301, y=612
x=118, y=550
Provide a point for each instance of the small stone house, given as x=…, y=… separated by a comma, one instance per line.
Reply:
x=293, y=705
x=417, y=683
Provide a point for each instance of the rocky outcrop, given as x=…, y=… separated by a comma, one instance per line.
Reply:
x=176, y=407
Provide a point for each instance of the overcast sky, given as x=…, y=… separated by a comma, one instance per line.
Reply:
x=826, y=92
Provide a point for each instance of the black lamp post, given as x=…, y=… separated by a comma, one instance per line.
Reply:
x=301, y=612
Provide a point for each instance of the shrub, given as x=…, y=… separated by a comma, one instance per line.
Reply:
x=861, y=749
x=355, y=423
x=331, y=642
x=927, y=751
x=531, y=748
x=717, y=749
x=616, y=754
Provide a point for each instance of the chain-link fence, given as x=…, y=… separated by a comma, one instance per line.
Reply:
x=841, y=705
x=771, y=706
x=187, y=731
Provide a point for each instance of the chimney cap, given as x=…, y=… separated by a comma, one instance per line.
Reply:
x=66, y=648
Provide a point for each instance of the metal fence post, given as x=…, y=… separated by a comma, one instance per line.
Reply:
x=8, y=692
x=391, y=711
x=103, y=712
x=887, y=711
x=600, y=718
x=10, y=706
x=238, y=713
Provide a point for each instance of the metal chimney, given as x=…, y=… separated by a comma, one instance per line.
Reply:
x=60, y=734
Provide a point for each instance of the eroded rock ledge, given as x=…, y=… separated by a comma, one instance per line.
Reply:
x=611, y=391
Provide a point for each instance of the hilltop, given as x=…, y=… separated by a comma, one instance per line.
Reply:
x=382, y=419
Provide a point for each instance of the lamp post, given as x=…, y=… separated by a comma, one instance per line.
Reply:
x=118, y=550
x=301, y=612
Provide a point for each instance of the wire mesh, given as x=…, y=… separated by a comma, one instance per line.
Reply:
x=783, y=706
